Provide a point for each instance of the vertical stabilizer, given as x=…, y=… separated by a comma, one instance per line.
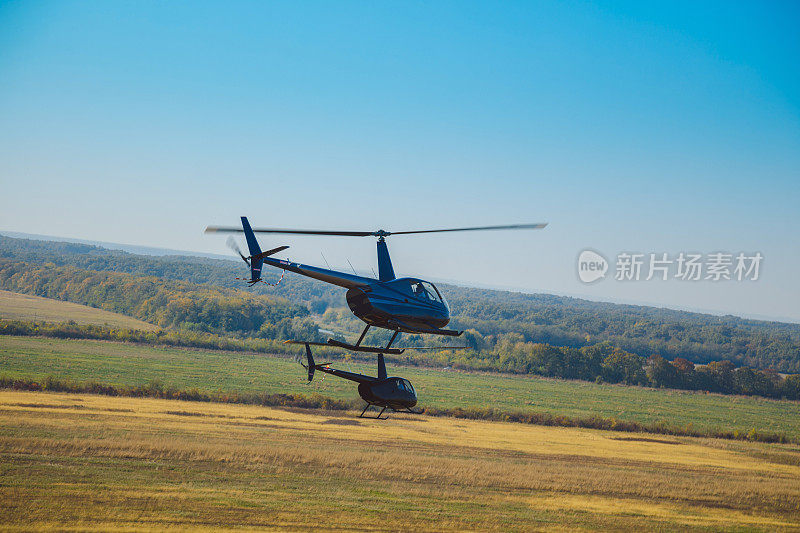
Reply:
x=256, y=261
x=381, y=367
x=252, y=243
x=310, y=362
x=385, y=270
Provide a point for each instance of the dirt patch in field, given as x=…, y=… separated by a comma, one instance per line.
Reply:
x=47, y=406
x=192, y=413
x=647, y=439
x=342, y=422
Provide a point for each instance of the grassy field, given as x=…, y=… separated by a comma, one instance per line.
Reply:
x=207, y=370
x=14, y=306
x=90, y=462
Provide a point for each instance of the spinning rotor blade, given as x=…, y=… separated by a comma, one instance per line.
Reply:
x=379, y=233
x=223, y=229
x=231, y=242
x=476, y=228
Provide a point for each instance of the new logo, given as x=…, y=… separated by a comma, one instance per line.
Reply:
x=591, y=266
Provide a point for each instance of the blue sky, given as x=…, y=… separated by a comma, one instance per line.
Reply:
x=626, y=126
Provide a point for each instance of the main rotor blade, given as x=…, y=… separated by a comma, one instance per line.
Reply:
x=379, y=233
x=476, y=228
x=228, y=229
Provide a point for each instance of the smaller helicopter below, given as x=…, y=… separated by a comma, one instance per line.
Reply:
x=383, y=391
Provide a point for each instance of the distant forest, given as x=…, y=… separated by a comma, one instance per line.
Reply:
x=493, y=317
x=165, y=303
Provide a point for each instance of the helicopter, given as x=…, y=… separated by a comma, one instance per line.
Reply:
x=408, y=304
x=393, y=392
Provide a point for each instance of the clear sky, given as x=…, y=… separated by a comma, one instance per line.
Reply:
x=634, y=126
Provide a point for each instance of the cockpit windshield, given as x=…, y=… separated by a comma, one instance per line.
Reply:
x=404, y=384
x=433, y=294
x=425, y=291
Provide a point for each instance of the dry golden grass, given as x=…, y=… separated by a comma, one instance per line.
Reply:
x=90, y=462
x=14, y=306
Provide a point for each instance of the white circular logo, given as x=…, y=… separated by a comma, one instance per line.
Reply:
x=591, y=266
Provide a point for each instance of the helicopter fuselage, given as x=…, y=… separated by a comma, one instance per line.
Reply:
x=395, y=393
x=395, y=305
x=410, y=305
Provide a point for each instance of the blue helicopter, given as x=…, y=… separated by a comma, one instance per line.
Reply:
x=408, y=305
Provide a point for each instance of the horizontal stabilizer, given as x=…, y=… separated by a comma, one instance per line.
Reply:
x=269, y=252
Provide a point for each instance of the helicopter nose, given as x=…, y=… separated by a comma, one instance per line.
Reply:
x=410, y=399
x=445, y=312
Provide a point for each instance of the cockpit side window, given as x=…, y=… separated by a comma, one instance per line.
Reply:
x=409, y=387
x=418, y=290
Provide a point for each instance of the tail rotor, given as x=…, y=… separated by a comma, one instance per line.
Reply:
x=233, y=245
x=255, y=261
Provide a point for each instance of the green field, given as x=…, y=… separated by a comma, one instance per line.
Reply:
x=14, y=306
x=207, y=370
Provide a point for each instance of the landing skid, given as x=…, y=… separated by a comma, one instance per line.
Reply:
x=388, y=349
x=350, y=347
x=357, y=346
x=373, y=417
x=401, y=326
x=407, y=410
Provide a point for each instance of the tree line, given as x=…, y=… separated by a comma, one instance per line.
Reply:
x=165, y=303
x=641, y=330
x=605, y=363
